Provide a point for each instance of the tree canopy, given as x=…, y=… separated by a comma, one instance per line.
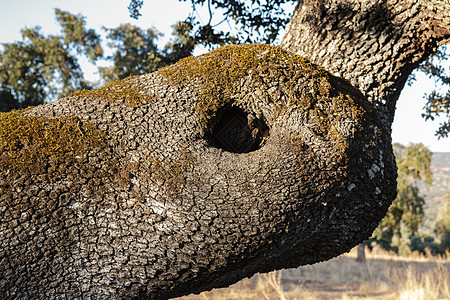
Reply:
x=442, y=228
x=40, y=67
x=136, y=52
x=438, y=103
x=406, y=212
x=259, y=21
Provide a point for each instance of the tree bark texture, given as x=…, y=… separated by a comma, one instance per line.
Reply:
x=131, y=192
x=375, y=44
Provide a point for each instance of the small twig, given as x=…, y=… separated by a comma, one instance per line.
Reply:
x=225, y=19
x=79, y=127
x=210, y=12
x=194, y=10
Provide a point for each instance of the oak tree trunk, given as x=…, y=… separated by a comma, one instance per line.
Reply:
x=373, y=44
x=244, y=160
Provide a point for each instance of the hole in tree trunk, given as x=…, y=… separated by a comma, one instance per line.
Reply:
x=239, y=132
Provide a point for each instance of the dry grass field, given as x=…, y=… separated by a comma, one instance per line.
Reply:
x=382, y=276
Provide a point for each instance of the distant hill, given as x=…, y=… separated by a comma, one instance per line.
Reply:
x=440, y=166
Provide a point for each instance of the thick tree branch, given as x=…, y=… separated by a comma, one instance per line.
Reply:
x=244, y=160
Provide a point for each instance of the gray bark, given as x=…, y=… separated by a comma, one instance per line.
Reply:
x=373, y=44
x=156, y=198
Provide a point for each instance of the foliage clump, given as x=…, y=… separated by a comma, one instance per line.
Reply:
x=136, y=51
x=438, y=101
x=442, y=228
x=259, y=21
x=399, y=229
x=41, y=68
x=28, y=142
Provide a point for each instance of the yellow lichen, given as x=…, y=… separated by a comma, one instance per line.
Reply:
x=28, y=142
x=219, y=71
x=125, y=90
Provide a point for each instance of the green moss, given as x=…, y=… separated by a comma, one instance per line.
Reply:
x=219, y=72
x=307, y=86
x=125, y=90
x=29, y=143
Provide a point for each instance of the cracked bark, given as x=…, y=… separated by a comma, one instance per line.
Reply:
x=157, y=210
x=373, y=44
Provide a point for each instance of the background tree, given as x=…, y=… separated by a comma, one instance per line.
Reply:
x=258, y=21
x=181, y=45
x=77, y=37
x=406, y=212
x=136, y=52
x=442, y=229
x=438, y=102
x=41, y=68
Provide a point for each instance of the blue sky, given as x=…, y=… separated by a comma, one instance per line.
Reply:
x=409, y=126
